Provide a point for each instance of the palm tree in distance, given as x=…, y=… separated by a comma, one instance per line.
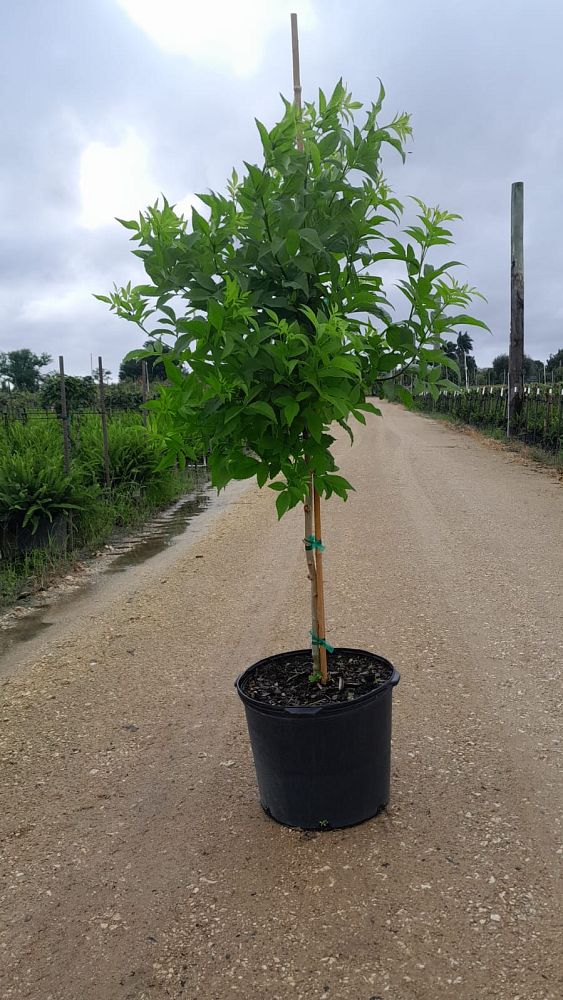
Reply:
x=464, y=346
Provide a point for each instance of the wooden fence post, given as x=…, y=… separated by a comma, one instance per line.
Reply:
x=516, y=350
x=145, y=388
x=64, y=418
x=66, y=450
x=104, y=422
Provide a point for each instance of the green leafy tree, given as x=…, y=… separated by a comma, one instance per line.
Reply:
x=471, y=369
x=464, y=346
x=278, y=319
x=500, y=369
x=533, y=369
x=449, y=348
x=22, y=368
x=130, y=368
x=554, y=363
x=80, y=393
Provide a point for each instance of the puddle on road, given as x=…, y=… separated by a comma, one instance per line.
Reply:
x=159, y=533
x=40, y=612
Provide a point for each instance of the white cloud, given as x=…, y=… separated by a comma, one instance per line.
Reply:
x=61, y=303
x=184, y=206
x=225, y=33
x=115, y=181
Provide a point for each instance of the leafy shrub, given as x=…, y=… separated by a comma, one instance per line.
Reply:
x=34, y=493
x=39, y=434
x=124, y=396
x=80, y=393
x=134, y=453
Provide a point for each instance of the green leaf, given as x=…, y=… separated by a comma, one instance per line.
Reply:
x=368, y=408
x=314, y=424
x=338, y=485
x=290, y=411
x=243, y=467
x=262, y=475
x=282, y=503
x=299, y=282
x=404, y=395
x=464, y=320
x=346, y=364
x=292, y=242
x=199, y=224
x=216, y=314
x=359, y=416
x=315, y=155
x=264, y=408
x=205, y=280
x=399, y=337
x=329, y=145
x=128, y=224
x=311, y=237
x=264, y=137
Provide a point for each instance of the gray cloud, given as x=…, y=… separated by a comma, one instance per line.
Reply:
x=483, y=82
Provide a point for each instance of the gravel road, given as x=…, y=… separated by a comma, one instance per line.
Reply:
x=136, y=862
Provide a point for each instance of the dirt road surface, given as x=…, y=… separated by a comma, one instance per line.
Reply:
x=137, y=864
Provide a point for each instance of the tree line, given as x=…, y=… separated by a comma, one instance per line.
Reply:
x=21, y=370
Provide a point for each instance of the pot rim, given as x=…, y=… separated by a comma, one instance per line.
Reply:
x=306, y=711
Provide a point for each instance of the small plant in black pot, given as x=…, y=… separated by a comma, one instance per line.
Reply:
x=279, y=326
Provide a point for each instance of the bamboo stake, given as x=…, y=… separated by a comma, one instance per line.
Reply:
x=321, y=623
x=308, y=505
x=312, y=503
x=312, y=573
x=296, y=72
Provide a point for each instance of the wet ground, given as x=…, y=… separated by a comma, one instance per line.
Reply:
x=37, y=613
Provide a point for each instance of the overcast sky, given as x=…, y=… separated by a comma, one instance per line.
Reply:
x=106, y=103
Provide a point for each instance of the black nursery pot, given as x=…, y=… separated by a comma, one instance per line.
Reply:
x=322, y=766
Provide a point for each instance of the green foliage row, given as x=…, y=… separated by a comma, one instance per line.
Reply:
x=81, y=394
x=540, y=421
x=36, y=495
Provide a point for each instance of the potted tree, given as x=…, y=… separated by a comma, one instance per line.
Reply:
x=279, y=326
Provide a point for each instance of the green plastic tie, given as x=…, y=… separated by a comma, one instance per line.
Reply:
x=321, y=642
x=313, y=543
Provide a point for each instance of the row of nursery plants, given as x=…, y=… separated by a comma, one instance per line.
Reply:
x=539, y=423
x=48, y=515
x=82, y=394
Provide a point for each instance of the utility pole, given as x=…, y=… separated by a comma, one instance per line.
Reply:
x=516, y=350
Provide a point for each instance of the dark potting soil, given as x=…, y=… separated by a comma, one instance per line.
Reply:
x=286, y=681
